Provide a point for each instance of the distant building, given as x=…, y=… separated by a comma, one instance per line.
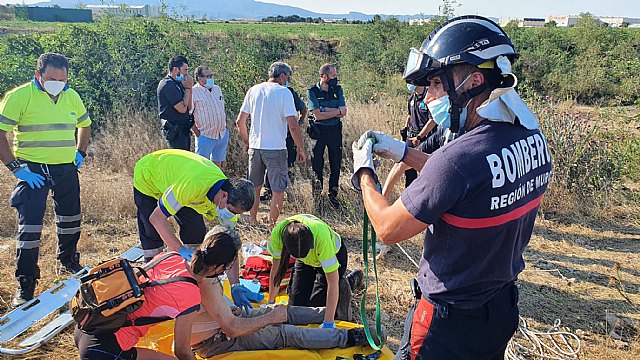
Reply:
x=52, y=14
x=125, y=10
x=563, y=20
x=533, y=22
x=614, y=21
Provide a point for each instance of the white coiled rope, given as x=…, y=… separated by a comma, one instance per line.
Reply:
x=552, y=344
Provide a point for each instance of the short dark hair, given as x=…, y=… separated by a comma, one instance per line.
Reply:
x=242, y=193
x=492, y=77
x=177, y=61
x=326, y=68
x=53, y=60
x=200, y=71
x=297, y=241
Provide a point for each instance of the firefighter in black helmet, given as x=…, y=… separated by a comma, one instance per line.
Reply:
x=476, y=197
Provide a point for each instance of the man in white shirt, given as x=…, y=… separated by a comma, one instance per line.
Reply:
x=270, y=105
x=210, y=129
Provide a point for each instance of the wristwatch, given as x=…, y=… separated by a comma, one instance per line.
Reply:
x=322, y=109
x=419, y=138
x=13, y=166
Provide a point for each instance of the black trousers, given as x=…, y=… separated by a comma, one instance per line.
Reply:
x=192, y=227
x=101, y=347
x=62, y=181
x=181, y=139
x=329, y=137
x=308, y=285
x=439, y=331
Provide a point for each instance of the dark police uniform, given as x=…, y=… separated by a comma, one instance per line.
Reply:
x=329, y=134
x=176, y=126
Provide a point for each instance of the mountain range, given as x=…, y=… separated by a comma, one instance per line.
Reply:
x=229, y=9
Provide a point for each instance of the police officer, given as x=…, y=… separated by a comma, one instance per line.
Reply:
x=174, y=103
x=44, y=115
x=476, y=197
x=327, y=104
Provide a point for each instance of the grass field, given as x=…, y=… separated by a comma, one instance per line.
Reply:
x=318, y=31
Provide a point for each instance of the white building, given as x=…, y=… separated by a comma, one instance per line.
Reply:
x=612, y=21
x=125, y=10
x=615, y=21
x=563, y=20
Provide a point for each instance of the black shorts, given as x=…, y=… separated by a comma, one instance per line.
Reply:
x=101, y=347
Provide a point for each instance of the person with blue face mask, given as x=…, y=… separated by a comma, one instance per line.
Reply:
x=469, y=200
x=210, y=118
x=174, y=104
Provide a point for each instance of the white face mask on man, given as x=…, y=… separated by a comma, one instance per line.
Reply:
x=54, y=87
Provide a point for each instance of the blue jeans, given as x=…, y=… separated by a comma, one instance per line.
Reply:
x=213, y=149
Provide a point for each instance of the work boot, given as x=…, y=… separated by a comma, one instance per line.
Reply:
x=72, y=265
x=25, y=290
x=355, y=279
x=357, y=336
x=333, y=200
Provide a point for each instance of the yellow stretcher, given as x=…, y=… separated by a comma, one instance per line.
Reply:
x=160, y=338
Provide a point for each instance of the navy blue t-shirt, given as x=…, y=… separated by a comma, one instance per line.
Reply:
x=418, y=115
x=481, y=194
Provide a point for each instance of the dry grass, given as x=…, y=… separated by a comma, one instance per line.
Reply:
x=578, y=268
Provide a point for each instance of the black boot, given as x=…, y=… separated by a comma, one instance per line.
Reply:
x=25, y=290
x=355, y=279
x=357, y=336
x=72, y=265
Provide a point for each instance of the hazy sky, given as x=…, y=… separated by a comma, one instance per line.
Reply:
x=495, y=8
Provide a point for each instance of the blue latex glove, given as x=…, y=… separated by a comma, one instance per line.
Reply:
x=186, y=253
x=240, y=295
x=79, y=159
x=255, y=297
x=34, y=180
x=328, y=325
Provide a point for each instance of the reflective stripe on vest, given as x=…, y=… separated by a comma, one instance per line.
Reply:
x=51, y=143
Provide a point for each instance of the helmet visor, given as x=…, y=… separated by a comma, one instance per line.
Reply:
x=419, y=68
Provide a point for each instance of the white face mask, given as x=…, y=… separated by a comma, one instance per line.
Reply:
x=54, y=87
x=224, y=213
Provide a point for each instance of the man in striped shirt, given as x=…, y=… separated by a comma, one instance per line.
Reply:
x=210, y=129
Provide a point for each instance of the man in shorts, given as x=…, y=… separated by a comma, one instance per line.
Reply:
x=270, y=105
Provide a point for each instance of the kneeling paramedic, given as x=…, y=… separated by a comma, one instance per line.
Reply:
x=318, y=277
x=44, y=115
x=204, y=322
x=173, y=182
x=476, y=198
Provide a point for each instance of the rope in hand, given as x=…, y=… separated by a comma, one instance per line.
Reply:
x=551, y=344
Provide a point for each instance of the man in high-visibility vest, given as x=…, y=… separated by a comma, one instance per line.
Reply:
x=44, y=115
x=174, y=182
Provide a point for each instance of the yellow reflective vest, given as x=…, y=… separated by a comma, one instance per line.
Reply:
x=44, y=131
